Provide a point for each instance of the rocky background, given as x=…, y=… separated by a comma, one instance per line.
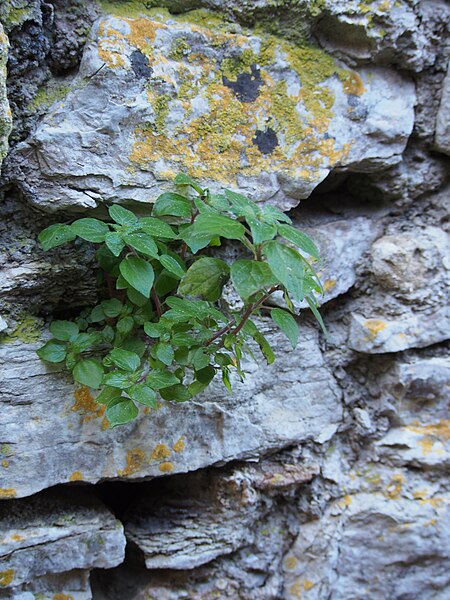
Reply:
x=324, y=476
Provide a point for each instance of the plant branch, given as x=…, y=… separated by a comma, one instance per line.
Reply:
x=252, y=307
x=221, y=332
x=156, y=302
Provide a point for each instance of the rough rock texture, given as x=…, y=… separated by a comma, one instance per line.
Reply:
x=325, y=475
x=56, y=532
x=173, y=95
x=5, y=113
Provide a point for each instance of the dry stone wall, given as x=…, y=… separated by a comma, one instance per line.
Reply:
x=325, y=475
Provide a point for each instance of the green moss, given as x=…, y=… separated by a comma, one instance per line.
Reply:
x=5, y=449
x=287, y=119
x=28, y=331
x=161, y=108
x=180, y=49
x=47, y=96
x=232, y=66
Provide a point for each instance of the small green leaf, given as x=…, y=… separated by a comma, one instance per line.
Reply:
x=143, y=394
x=138, y=273
x=251, y=276
x=52, y=351
x=122, y=215
x=142, y=242
x=265, y=347
x=85, y=341
x=108, y=394
x=300, y=239
x=172, y=265
x=241, y=206
x=97, y=315
x=206, y=278
x=157, y=228
x=91, y=230
x=208, y=226
x=158, y=380
x=136, y=297
x=133, y=344
x=272, y=215
x=125, y=325
x=118, y=380
x=88, y=372
x=164, y=353
x=205, y=375
x=56, y=235
x=183, y=179
x=170, y=204
x=261, y=232
x=64, y=330
x=120, y=411
x=125, y=360
x=313, y=306
x=286, y=323
x=114, y=242
x=176, y=393
x=154, y=330
x=112, y=307
x=288, y=267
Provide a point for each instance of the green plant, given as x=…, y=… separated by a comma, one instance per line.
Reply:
x=164, y=329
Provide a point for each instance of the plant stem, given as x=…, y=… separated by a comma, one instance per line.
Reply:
x=221, y=332
x=156, y=302
x=251, y=308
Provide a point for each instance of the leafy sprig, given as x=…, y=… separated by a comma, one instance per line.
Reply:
x=164, y=333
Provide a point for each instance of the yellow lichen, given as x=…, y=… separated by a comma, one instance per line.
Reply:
x=5, y=464
x=160, y=452
x=85, y=403
x=374, y=326
x=135, y=459
x=166, y=467
x=62, y=597
x=432, y=434
x=307, y=584
x=296, y=590
x=329, y=284
x=179, y=445
x=16, y=537
x=290, y=562
x=7, y=493
x=346, y=501
x=6, y=577
x=76, y=476
x=353, y=84
x=394, y=487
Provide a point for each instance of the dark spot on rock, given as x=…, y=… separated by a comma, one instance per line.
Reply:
x=266, y=141
x=139, y=63
x=246, y=87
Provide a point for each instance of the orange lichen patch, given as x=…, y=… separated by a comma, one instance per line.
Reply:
x=143, y=33
x=62, y=597
x=16, y=537
x=329, y=284
x=394, y=487
x=166, y=467
x=105, y=423
x=85, y=403
x=180, y=444
x=307, y=584
x=435, y=502
x=135, y=459
x=374, y=326
x=111, y=46
x=6, y=493
x=346, y=501
x=440, y=430
x=160, y=452
x=5, y=464
x=76, y=476
x=353, y=84
x=6, y=577
x=290, y=562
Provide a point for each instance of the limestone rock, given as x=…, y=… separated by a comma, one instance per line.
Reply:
x=219, y=514
x=158, y=94
x=63, y=586
x=5, y=113
x=295, y=398
x=442, y=140
x=52, y=532
x=406, y=553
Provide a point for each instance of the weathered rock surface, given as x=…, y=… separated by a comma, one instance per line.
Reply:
x=56, y=532
x=5, y=113
x=442, y=141
x=229, y=108
x=42, y=411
